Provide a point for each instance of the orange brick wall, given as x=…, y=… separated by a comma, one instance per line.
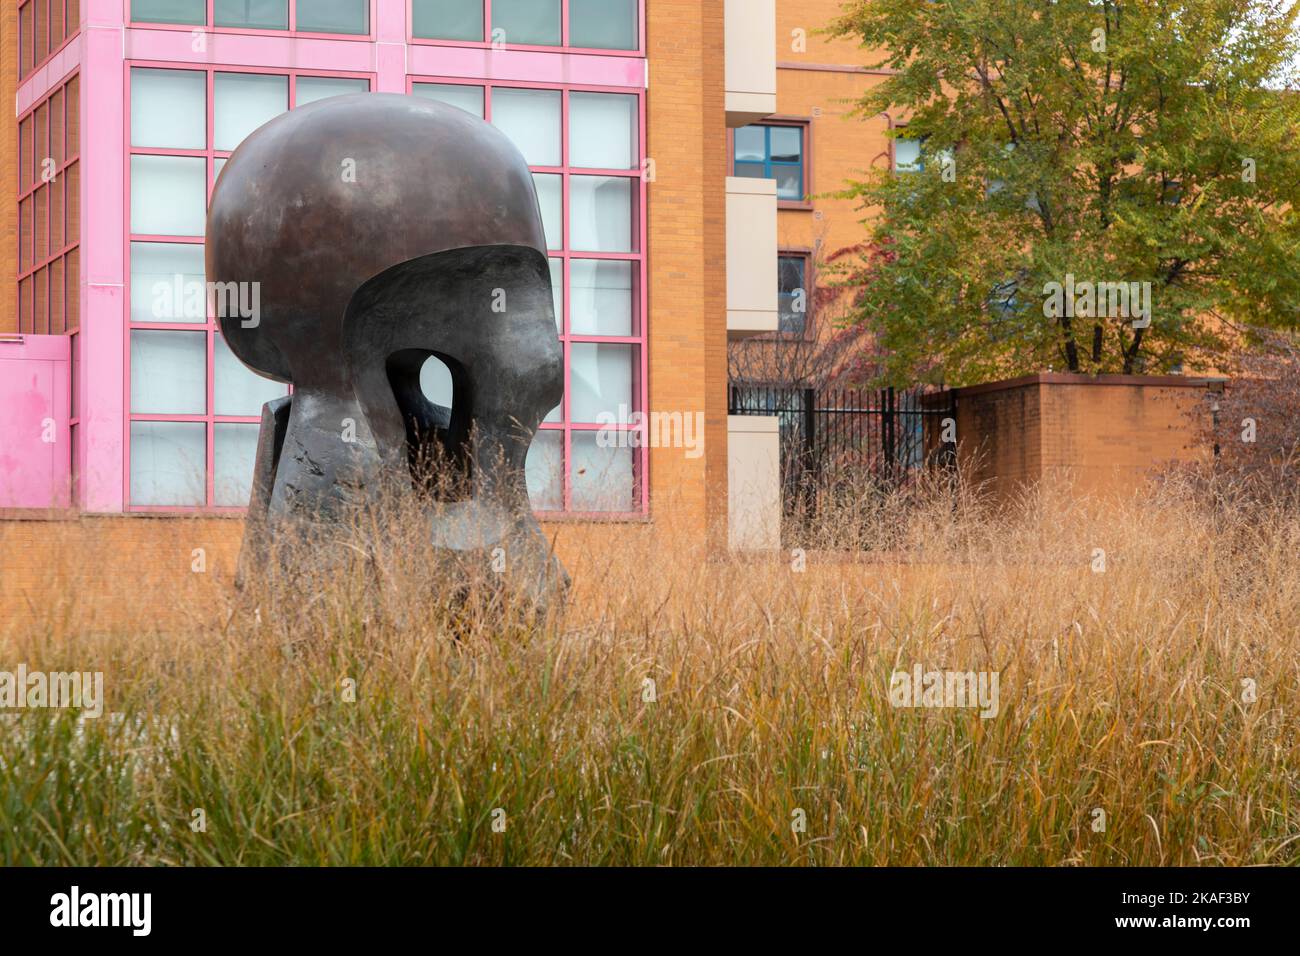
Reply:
x=8, y=168
x=1101, y=435
x=821, y=83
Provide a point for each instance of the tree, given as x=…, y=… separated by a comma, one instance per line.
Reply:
x=1105, y=185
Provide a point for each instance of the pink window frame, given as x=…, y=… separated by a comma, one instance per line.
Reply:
x=486, y=43
x=71, y=241
x=640, y=294
x=51, y=50
x=209, y=327
x=292, y=31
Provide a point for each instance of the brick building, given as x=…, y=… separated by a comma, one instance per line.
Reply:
x=126, y=110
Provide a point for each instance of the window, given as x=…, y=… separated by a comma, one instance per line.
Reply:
x=43, y=27
x=792, y=293
x=591, y=195
x=49, y=213
x=907, y=156
x=611, y=25
x=348, y=17
x=773, y=152
x=195, y=410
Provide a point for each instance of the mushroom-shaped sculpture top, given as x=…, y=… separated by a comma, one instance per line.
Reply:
x=331, y=194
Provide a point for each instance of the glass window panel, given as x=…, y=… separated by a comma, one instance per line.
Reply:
x=333, y=16
x=751, y=144
x=467, y=98
x=244, y=101
x=603, y=24
x=534, y=22
x=168, y=463
x=600, y=377
x=258, y=14
x=544, y=471
x=218, y=165
x=448, y=19
x=237, y=389
x=557, y=291
x=792, y=298
x=313, y=88
x=168, y=282
x=436, y=383
x=550, y=197
x=169, y=372
x=603, y=131
x=751, y=171
x=907, y=155
x=168, y=195
x=601, y=478
x=602, y=297
x=600, y=213
x=789, y=182
x=169, y=108
x=169, y=11
x=234, y=454
x=531, y=118
x=787, y=144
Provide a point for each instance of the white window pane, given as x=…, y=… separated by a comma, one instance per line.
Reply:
x=169, y=108
x=603, y=24
x=601, y=478
x=907, y=155
x=603, y=131
x=218, y=165
x=244, y=101
x=602, y=297
x=557, y=291
x=544, y=471
x=436, y=382
x=313, y=88
x=333, y=16
x=467, y=98
x=550, y=196
x=447, y=19
x=169, y=372
x=259, y=14
x=234, y=453
x=600, y=213
x=169, y=195
x=237, y=390
x=601, y=379
x=531, y=118
x=533, y=22
x=167, y=282
x=168, y=463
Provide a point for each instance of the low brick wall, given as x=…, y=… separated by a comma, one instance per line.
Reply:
x=1098, y=435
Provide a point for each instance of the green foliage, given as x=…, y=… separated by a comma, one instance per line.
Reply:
x=1111, y=142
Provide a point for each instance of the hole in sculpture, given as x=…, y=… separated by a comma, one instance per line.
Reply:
x=433, y=394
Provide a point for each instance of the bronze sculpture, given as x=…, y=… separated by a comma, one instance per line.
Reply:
x=384, y=229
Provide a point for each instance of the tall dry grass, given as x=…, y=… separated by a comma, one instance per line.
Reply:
x=691, y=708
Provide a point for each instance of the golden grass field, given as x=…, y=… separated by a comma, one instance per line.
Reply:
x=690, y=708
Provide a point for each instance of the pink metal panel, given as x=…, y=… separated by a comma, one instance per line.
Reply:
x=102, y=338
x=177, y=46
x=577, y=69
x=35, y=445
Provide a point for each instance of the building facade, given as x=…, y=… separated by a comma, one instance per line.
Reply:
x=118, y=396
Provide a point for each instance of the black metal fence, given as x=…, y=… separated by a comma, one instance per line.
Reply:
x=859, y=440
